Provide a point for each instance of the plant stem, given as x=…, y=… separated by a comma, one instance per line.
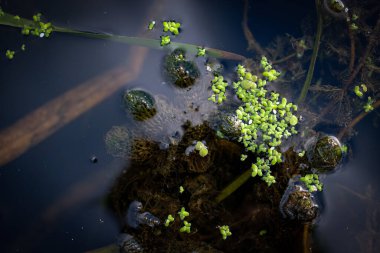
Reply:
x=317, y=42
x=9, y=20
x=227, y=191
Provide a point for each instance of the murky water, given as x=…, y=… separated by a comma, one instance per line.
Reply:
x=53, y=198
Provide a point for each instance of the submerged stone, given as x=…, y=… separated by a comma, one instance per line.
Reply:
x=226, y=125
x=140, y=104
x=119, y=141
x=297, y=203
x=128, y=244
x=326, y=154
x=135, y=218
x=179, y=71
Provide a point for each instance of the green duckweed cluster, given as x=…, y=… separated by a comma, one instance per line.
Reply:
x=168, y=26
x=225, y=231
x=39, y=29
x=182, y=215
x=201, y=51
x=9, y=54
x=201, y=148
x=368, y=105
x=359, y=90
x=266, y=119
x=312, y=182
x=169, y=220
x=219, y=88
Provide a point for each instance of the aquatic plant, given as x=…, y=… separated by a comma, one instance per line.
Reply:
x=225, y=231
x=360, y=90
x=312, y=182
x=165, y=40
x=266, y=119
x=9, y=54
x=219, y=88
x=28, y=26
x=368, y=106
x=183, y=213
x=168, y=220
x=171, y=26
x=201, y=51
x=151, y=25
x=186, y=227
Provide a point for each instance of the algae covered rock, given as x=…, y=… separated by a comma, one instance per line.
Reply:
x=325, y=153
x=140, y=104
x=179, y=71
x=297, y=203
x=226, y=125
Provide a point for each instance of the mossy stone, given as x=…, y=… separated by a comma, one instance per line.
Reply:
x=179, y=71
x=140, y=104
x=327, y=154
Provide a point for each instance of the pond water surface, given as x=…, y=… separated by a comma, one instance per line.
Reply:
x=52, y=197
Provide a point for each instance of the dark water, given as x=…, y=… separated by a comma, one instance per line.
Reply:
x=52, y=198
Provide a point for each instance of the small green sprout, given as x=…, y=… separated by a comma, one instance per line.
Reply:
x=225, y=231
x=203, y=151
x=353, y=26
x=301, y=154
x=293, y=120
x=243, y=157
x=23, y=47
x=37, y=17
x=171, y=26
x=360, y=90
x=344, y=149
x=219, y=88
x=262, y=232
x=186, y=227
x=312, y=182
x=181, y=189
x=201, y=51
x=165, y=40
x=10, y=54
x=183, y=213
x=1, y=12
x=17, y=17
x=151, y=25
x=368, y=106
x=168, y=220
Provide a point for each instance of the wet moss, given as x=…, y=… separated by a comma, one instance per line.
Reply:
x=140, y=104
x=179, y=71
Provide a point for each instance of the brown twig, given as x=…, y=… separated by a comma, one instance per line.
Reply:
x=356, y=120
x=284, y=58
x=352, y=49
x=371, y=43
x=253, y=45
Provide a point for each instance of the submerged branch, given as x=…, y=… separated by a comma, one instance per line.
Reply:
x=317, y=42
x=252, y=43
x=227, y=191
x=9, y=20
x=356, y=120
